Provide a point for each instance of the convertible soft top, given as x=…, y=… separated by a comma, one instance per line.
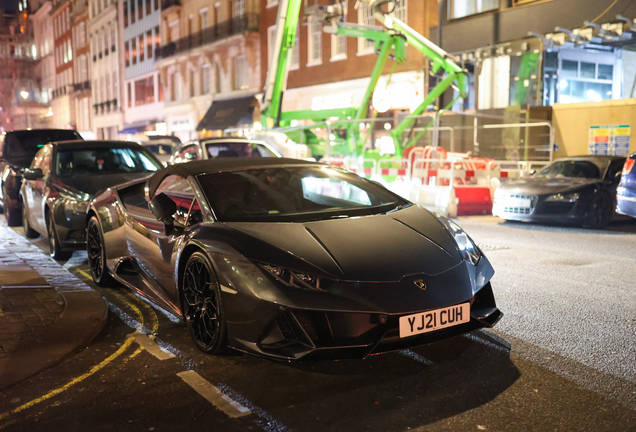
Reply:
x=217, y=165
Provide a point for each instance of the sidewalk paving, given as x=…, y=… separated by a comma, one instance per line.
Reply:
x=46, y=313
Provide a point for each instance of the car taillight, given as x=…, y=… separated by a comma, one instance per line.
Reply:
x=629, y=163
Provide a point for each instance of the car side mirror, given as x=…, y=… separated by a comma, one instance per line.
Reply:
x=162, y=207
x=33, y=174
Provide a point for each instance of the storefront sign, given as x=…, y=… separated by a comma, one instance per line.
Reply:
x=610, y=140
x=344, y=100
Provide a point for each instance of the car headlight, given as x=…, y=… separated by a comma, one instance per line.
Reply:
x=467, y=248
x=569, y=198
x=75, y=206
x=293, y=278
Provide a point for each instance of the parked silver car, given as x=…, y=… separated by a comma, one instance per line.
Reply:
x=211, y=148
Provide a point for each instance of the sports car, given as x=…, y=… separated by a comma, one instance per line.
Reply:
x=574, y=190
x=211, y=148
x=65, y=176
x=289, y=259
x=626, y=192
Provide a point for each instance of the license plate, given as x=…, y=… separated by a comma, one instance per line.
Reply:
x=434, y=320
x=517, y=202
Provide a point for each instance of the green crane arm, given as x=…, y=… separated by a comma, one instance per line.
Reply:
x=287, y=25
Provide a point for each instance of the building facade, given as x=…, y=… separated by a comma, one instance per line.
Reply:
x=210, y=52
x=107, y=110
x=143, y=94
x=63, y=103
x=81, y=90
x=44, y=45
x=528, y=52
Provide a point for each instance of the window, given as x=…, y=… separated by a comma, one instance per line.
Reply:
x=366, y=18
x=238, y=8
x=160, y=88
x=113, y=39
x=149, y=43
x=205, y=79
x=132, y=12
x=157, y=38
x=174, y=31
x=115, y=86
x=133, y=52
x=127, y=53
x=179, y=190
x=271, y=44
x=203, y=19
x=175, y=94
x=140, y=8
x=148, y=7
x=464, y=8
x=156, y=5
x=144, y=91
x=583, y=78
x=82, y=34
x=192, y=83
x=125, y=14
x=400, y=11
x=272, y=3
x=240, y=73
x=295, y=57
x=314, y=36
x=339, y=42
x=142, y=48
x=217, y=78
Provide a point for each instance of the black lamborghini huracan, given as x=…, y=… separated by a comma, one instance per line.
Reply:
x=290, y=259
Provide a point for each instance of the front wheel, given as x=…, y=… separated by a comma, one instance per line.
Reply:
x=97, y=253
x=202, y=305
x=600, y=212
x=28, y=231
x=55, y=250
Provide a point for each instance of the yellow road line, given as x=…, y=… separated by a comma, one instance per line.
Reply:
x=153, y=316
x=77, y=380
x=81, y=378
x=86, y=275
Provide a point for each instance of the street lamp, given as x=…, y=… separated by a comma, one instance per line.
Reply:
x=25, y=96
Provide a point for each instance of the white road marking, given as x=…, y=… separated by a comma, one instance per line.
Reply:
x=150, y=346
x=215, y=396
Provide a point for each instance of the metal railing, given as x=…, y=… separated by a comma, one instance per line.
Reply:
x=248, y=22
x=86, y=85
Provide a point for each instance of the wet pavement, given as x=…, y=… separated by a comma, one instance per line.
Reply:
x=560, y=359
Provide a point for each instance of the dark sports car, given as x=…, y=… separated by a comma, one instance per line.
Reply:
x=65, y=176
x=576, y=190
x=626, y=192
x=17, y=149
x=290, y=259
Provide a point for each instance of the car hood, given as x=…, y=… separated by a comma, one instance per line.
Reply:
x=91, y=184
x=383, y=247
x=542, y=185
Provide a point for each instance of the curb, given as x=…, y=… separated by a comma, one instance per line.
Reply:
x=83, y=318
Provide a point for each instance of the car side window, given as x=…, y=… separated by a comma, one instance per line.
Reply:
x=615, y=167
x=189, y=153
x=178, y=190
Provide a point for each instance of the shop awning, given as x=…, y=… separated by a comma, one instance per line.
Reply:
x=228, y=113
x=133, y=128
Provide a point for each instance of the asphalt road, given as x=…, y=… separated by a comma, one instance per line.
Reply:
x=562, y=358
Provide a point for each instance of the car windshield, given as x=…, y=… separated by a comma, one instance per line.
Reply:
x=237, y=149
x=573, y=169
x=104, y=160
x=294, y=194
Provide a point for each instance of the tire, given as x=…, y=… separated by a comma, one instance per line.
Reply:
x=97, y=253
x=600, y=212
x=202, y=305
x=28, y=231
x=13, y=216
x=55, y=251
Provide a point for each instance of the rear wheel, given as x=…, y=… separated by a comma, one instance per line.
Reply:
x=55, y=250
x=28, y=231
x=600, y=212
x=97, y=253
x=202, y=305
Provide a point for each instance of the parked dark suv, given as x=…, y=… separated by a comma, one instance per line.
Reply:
x=17, y=149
